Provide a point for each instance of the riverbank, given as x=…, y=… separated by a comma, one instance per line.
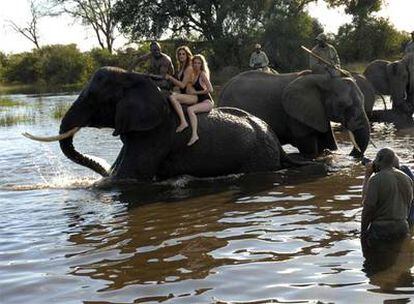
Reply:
x=7, y=89
x=219, y=78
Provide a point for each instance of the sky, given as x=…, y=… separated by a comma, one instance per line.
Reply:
x=64, y=30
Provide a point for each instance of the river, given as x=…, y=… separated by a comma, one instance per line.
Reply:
x=255, y=238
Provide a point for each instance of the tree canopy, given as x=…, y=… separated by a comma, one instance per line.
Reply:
x=95, y=13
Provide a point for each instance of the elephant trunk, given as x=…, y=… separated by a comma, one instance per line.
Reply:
x=78, y=117
x=66, y=145
x=361, y=137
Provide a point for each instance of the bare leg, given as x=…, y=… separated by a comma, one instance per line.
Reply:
x=176, y=101
x=204, y=106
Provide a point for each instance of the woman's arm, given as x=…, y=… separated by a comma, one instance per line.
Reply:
x=187, y=78
x=205, y=82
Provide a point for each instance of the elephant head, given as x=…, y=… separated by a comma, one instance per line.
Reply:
x=315, y=100
x=125, y=102
x=398, y=80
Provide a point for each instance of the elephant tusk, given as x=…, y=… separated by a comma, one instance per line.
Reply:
x=67, y=134
x=352, y=138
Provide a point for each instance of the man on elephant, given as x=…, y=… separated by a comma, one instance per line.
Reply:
x=160, y=65
x=259, y=60
x=326, y=51
x=386, y=198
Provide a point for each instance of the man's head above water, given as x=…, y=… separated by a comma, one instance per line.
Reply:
x=386, y=159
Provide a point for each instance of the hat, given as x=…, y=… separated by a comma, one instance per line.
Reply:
x=257, y=46
x=321, y=37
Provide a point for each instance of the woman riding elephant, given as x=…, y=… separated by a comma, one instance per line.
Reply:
x=299, y=107
x=232, y=141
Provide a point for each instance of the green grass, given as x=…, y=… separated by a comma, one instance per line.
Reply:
x=10, y=119
x=60, y=109
x=6, y=102
x=38, y=89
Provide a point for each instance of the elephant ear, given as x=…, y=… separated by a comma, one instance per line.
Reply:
x=141, y=106
x=303, y=101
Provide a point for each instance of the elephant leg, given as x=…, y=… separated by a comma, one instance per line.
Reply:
x=139, y=158
x=326, y=141
x=308, y=146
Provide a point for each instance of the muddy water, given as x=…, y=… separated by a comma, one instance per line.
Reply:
x=281, y=238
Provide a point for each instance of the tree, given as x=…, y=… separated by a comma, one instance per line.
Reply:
x=30, y=30
x=375, y=38
x=95, y=13
x=225, y=24
x=359, y=9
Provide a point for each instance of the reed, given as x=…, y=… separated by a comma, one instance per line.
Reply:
x=11, y=119
x=6, y=102
x=59, y=110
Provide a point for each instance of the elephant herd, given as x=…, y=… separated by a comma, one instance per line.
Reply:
x=258, y=113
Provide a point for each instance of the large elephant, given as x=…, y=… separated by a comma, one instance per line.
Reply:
x=231, y=140
x=299, y=107
x=367, y=90
x=395, y=79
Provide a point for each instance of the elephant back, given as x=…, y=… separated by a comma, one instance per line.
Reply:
x=376, y=74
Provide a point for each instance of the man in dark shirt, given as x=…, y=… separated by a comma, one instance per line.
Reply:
x=386, y=198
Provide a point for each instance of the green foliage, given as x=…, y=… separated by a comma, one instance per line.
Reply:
x=360, y=10
x=6, y=102
x=23, y=67
x=10, y=119
x=49, y=65
x=226, y=25
x=60, y=109
x=373, y=39
x=62, y=64
x=283, y=38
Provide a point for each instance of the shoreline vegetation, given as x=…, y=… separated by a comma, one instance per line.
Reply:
x=14, y=112
x=219, y=78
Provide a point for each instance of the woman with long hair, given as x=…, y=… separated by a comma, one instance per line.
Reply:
x=198, y=97
x=185, y=74
x=185, y=70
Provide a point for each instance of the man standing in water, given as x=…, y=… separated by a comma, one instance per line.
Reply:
x=160, y=65
x=386, y=199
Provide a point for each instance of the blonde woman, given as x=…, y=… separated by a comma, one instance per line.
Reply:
x=185, y=69
x=199, y=100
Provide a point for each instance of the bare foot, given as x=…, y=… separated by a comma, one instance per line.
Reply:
x=181, y=127
x=193, y=139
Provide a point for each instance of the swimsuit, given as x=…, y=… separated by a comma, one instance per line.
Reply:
x=197, y=86
x=182, y=90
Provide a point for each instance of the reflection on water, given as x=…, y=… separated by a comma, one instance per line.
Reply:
x=277, y=237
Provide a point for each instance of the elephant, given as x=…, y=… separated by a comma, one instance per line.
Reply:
x=299, y=107
x=367, y=90
x=231, y=140
x=395, y=79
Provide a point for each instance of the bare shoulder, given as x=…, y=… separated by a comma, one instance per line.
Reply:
x=166, y=57
x=189, y=70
